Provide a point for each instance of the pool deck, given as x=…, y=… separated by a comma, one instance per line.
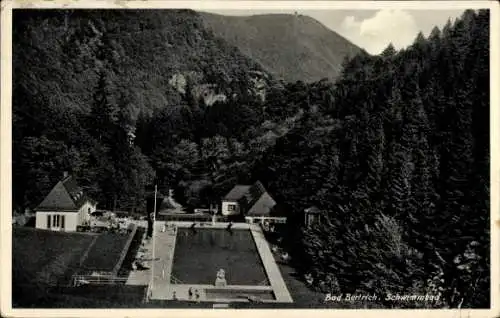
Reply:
x=161, y=266
x=273, y=272
x=161, y=288
x=182, y=292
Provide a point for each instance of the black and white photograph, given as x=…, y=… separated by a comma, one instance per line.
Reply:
x=262, y=157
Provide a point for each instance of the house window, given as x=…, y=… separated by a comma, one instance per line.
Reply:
x=57, y=221
x=231, y=207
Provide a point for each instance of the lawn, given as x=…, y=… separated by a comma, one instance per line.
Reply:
x=108, y=296
x=46, y=256
x=199, y=255
x=105, y=253
x=42, y=259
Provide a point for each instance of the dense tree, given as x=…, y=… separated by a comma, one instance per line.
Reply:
x=412, y=146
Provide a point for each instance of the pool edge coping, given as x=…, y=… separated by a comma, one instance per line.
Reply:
x=273, y=272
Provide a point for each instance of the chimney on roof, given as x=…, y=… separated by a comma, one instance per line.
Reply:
x=65, y=174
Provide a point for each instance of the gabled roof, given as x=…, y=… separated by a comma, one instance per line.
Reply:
x=254, y=199
x=237, y=192
x=66, y=195
x=262, y=206
x=252, y=195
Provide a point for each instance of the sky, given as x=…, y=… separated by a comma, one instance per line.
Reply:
x=372, y=30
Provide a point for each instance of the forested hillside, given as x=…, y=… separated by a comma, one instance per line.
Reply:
x=292, y=47
x=87, y=81
x=82, y=78
x=398, y=163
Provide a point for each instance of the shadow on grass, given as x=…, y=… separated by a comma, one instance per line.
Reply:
x=135, y=245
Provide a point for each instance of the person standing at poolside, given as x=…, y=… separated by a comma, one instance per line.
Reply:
x=190, y=293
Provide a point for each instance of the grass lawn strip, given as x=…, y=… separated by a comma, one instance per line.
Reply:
x=105, y=253
x=40, y=254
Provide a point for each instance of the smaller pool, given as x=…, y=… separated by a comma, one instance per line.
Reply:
x=215, y=293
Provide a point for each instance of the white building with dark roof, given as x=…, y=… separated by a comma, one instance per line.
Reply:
x=231, y=201
x=65, y=207
x=251, y=201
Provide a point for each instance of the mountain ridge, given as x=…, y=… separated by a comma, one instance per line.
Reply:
x=291, y=47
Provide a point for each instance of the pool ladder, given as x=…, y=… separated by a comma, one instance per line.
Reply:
x=176, y=280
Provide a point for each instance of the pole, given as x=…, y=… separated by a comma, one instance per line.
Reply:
x=153, y=235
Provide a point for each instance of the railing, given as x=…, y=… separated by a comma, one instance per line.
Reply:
x=191, y=217
x=79, y=280
x=145, y=298
x=149, y=293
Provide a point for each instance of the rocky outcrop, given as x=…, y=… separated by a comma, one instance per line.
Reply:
x=209, y=94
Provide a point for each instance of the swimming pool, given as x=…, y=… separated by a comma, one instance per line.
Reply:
x=200, y=253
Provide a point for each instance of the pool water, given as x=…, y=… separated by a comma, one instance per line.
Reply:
x=201, y=253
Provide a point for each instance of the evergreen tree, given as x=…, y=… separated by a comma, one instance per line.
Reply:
x=389, y=51
x=104, y=111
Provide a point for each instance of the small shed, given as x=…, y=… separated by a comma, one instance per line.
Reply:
x=312, y=215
